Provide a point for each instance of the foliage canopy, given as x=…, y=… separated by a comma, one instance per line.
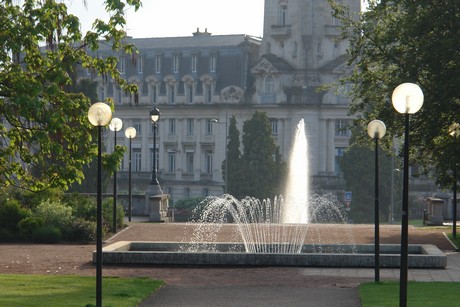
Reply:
x=45, y=136
x=400, y=41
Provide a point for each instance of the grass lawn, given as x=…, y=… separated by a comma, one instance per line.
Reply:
x=424, y=294
x=456, y=241
x=72, y=290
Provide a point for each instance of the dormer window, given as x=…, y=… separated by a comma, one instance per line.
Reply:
x=212, y=63
x=140, y=65
x=157, y=64
x=194, y=63
x=269, y=85
x=176, y=64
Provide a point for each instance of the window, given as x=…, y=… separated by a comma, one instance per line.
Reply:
x=194, y=63
x=208, y=127
x=121, y=65
x=176, y=64
x=171, y=92
x=269, y=85
x=205, y=192
x=157, y=64
x=140, y=65
x=274, y=125
x=187, y=192
x=341, y=127
x=171, y=162
x=172, y=126
x=283, y=14
x=154, y=94
x=208, y=93
x=339, y=151
x=189, y=162
x=189, y=92
x=137, y=158
x=190, y=126
x=137, y=124
x=294, y=50
x=212, y=63
x=208, y=162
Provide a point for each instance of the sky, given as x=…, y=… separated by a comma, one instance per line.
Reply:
x=169, y=18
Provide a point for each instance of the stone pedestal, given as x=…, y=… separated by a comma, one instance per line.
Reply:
x=435, y=209
x=156, y=204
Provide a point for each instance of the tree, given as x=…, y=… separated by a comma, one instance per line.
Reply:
x=358, y=165
x=261, y=168
x=408, y=41
x=234, y=159
x=46, y=138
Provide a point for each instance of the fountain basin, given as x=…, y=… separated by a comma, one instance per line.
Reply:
x=312, y=255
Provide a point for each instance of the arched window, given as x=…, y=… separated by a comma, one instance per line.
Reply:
x=269, y=85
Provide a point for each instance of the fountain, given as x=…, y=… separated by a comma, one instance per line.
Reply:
x=269, y=232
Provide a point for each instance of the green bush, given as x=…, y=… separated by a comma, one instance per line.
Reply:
x=80, y=230
x=107, y=213
x=11, y=213
x=28, y=226
x=188, y=203
x=30, y=199
x=54, y=213
x=83, y=206
x=47, y=234
x=7, y=235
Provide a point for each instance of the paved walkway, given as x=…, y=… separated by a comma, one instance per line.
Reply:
x=285, y=286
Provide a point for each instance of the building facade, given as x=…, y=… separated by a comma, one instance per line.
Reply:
x=199, y=82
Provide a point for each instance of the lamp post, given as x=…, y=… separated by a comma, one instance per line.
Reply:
x=154, y=118
x=226, y=150
x=99, y=115
x=407, y=99
x=115, y=125
x=376, y=130
x=130, y=133
x=454, y=130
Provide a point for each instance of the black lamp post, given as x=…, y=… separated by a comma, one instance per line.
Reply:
x=376, y=129
x=454, y=130
x=130, y=133
x=407, y=99
x=99, y=115
x=154, y=118
x=115, y=125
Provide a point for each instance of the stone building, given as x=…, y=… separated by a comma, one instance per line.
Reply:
x=199, y=82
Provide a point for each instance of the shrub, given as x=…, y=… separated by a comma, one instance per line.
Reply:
x=54, y=213
x=80, y=230
x=28, y=226
x=107, y=213
x=11, y=213
x=83, y=206
x=47, y=234
x=30, y=199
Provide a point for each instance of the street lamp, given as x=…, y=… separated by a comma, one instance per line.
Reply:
x=226, y=150
x=376, y=130
x=115, y=125
x=454, y=130
x=407, y=99
x=99, y=115
x=154, y=118
x=130, y=133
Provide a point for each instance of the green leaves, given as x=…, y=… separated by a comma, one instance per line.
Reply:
x=46, y=139
x=408, y=41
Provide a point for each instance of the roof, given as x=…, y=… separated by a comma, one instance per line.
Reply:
x=198, y=41
x=277, y=62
